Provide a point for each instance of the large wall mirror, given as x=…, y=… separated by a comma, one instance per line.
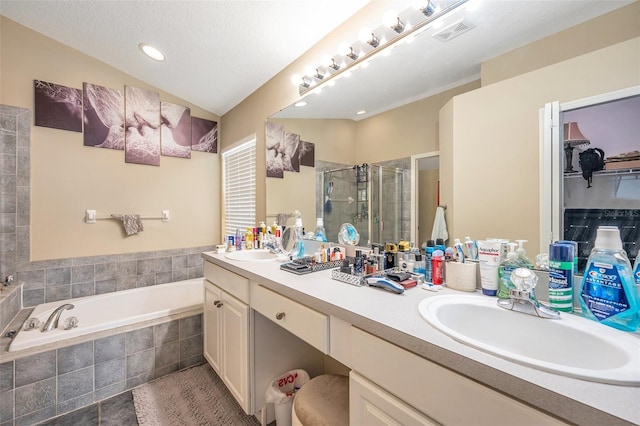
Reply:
x=401, y=94
x=604, y=127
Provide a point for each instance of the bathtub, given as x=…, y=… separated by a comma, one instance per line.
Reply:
x=111, y=310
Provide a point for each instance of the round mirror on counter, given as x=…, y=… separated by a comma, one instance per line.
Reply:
x=348, y=235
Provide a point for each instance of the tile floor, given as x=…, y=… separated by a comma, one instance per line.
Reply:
x=115, y=411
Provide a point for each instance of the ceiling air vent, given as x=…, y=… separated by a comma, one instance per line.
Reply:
x=454, y=30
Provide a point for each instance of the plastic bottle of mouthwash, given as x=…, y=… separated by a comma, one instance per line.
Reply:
x=608, y=291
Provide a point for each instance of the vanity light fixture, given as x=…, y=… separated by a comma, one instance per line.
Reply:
x=399, y=26
x=152, y=52
x=429, y=9
x=352, y=54
x=370, y=44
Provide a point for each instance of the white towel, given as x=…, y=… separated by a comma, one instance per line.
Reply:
x=131, y=222
x=439, y=226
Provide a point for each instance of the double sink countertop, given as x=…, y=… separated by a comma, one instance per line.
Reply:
x=396, y=319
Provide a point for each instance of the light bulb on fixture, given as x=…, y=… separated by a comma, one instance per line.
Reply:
x=334, y=65
x=429, y=9
x=393, y=21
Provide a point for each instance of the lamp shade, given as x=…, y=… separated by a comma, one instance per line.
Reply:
x=572, y=134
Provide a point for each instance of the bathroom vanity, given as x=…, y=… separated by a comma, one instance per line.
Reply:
x=260, y=321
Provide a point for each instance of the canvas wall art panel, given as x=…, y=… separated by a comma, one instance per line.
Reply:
x=142, y=123
x=291, y=157
x=103, y=116
x=307, y=154
x=204, y=135
x=275, y=149
x=57, y=106
x=175, y=134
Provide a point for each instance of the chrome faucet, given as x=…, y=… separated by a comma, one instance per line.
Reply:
x=52, y=321
x=523, y=298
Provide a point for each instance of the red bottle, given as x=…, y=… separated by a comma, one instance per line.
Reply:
x=437, y=267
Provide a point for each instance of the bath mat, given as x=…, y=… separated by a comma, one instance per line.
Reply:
x=195, y=396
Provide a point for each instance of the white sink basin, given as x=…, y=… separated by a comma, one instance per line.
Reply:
x=251, y=255
x=571, y=346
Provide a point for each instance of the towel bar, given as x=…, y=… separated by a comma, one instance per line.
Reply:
x=91, y=216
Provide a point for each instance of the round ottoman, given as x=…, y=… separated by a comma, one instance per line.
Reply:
x=324, y=400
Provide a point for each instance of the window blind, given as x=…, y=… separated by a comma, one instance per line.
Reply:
x=240, y=187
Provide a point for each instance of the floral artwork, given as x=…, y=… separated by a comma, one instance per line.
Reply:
x=142, y=124
x=175, y=133
x=57, y=106
x=204, y=135
x=275, y=149
x=103, y=117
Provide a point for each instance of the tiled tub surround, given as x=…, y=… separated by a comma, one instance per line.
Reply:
x=53, y=280
x=39, y=386
x=10, y=304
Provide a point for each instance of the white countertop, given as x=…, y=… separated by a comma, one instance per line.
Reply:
x=396, y=319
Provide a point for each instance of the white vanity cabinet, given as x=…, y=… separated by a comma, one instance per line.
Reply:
x=407, y=382
x=226, y=330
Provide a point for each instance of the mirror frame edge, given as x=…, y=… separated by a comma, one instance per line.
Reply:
x=414, y=190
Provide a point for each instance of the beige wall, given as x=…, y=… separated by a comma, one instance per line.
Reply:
x=612, y=28
x=68, y=178
x=404, y=131
x=490, y=172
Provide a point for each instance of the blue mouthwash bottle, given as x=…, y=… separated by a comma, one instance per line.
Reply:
x=636, y=270
x=608, y=293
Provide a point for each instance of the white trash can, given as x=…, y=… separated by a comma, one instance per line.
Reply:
x=281, y=392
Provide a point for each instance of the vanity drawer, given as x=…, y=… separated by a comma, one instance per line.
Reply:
x=306, y=323
x=230, y=282
x=441, y=394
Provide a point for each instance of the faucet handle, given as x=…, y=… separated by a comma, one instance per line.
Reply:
x=524, y=279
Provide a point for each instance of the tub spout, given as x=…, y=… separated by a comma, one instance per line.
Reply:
x=52, y=321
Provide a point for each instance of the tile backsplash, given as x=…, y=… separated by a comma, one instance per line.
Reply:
x=53, y=280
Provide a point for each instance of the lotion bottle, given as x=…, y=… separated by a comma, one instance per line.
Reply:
x=608, y=293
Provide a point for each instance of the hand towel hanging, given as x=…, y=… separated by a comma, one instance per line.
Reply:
x=439, y=226
x=131, y=222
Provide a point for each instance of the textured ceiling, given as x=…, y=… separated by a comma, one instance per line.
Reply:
x=218, y=52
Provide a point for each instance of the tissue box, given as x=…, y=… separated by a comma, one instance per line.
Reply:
x=461, y=276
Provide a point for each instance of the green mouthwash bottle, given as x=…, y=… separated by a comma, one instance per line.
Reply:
x=608, y=292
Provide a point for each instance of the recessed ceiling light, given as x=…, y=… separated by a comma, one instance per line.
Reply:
x=151, y=52
x=300, y=104
x=361, y=112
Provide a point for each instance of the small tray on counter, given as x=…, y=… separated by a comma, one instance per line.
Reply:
x=307, y=265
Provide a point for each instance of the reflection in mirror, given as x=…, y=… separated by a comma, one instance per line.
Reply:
x=375, y=198
x=607, y=196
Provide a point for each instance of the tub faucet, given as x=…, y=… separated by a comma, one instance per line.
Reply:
x=52, y=321
x=523, y=298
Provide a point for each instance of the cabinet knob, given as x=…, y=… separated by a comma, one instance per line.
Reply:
x=219, y=305
x=215, y=302
x=280, y=315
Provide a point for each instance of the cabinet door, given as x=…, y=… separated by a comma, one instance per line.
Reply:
x=371, y=405
x=235, y=348
x=212, y=326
